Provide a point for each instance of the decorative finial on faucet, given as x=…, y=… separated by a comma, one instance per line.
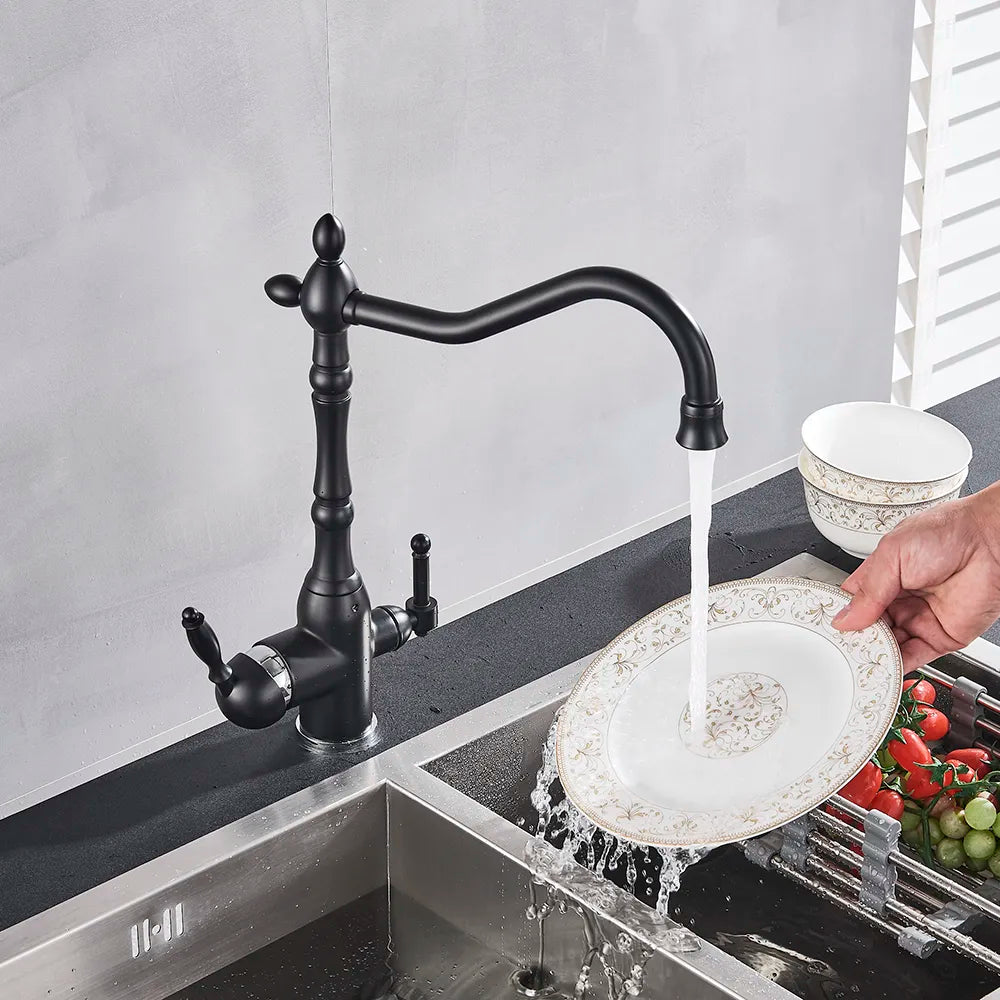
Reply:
x=286, y=289
x=329, y=239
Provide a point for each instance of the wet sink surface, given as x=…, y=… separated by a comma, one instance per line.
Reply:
x=349, y=954
x=340, y=955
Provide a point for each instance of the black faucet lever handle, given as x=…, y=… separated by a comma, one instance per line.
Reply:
x=205, y=643
x=283, y=289
x=422, y=607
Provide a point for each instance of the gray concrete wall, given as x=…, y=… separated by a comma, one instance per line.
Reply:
x=157, y=164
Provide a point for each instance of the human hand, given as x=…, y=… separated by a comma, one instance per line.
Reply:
x=936, y=578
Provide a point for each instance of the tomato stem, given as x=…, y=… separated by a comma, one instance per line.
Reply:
x=925, y=828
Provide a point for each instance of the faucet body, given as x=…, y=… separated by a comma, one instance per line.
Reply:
x=322, y=664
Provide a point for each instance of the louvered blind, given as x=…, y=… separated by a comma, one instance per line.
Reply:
x=948, y=306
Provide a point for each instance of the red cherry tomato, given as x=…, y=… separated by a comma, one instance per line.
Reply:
x=922, y=690
x=964, y=775
x=910, y=751
x=979, y=760
x=862, y=788
x=888, y=802
x=934, y=725
x=919, y=786
x=838, y=814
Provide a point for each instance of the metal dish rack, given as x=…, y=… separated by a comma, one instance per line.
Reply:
x=879, y=879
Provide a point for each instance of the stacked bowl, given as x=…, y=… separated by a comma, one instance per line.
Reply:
x=867, y=466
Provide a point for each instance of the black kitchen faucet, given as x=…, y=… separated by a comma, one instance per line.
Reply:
x=322, y=664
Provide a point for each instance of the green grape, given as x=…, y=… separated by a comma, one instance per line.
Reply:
x=980, y=814
x=953, y=824
x=979, y=844
x=950, y=853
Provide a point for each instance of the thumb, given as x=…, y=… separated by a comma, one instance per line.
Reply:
x=875, y=584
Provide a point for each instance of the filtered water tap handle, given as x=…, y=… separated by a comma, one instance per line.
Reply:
x=205, y=643
x=420, y=547
x=284, y=289
x=422, y=607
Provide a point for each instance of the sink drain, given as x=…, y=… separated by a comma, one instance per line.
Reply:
x=534, y=982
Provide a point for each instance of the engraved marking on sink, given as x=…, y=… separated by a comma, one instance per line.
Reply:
x=142, y=936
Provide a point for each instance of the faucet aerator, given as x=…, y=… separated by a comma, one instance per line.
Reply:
x=701, y=426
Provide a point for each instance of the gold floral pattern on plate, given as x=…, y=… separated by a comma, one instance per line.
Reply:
x=874, y=668
x=743, y=711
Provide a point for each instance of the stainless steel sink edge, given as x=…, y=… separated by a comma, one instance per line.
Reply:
x=177, y=918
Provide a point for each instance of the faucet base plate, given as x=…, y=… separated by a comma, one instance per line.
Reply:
x=314, y=745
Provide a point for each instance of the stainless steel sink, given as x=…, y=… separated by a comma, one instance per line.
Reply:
x=385, y=878
x=797, y=943
x=410, y=875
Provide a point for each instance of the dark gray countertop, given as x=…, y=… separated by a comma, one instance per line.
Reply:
x=90, y=834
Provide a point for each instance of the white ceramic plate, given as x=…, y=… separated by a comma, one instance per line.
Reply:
x=796, y=708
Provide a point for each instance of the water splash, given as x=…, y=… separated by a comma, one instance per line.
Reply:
x=700, y=468
x=585, y=843
x=675, y=863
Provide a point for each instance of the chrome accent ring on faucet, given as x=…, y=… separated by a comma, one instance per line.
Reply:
x=273, y=662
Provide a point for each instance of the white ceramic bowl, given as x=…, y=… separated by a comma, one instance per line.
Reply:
x=879, y=453
x=858, y=527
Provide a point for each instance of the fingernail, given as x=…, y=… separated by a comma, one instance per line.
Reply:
x=841, y=615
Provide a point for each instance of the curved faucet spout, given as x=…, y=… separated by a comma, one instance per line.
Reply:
x=701, y=408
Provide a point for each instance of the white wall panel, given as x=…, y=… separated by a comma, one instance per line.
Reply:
x=159, y=161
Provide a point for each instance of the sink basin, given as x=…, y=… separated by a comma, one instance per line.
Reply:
x=386, y=880
x=792, y=939
x=413, y=875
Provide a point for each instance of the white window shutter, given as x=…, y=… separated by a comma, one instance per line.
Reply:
x=947, y=333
